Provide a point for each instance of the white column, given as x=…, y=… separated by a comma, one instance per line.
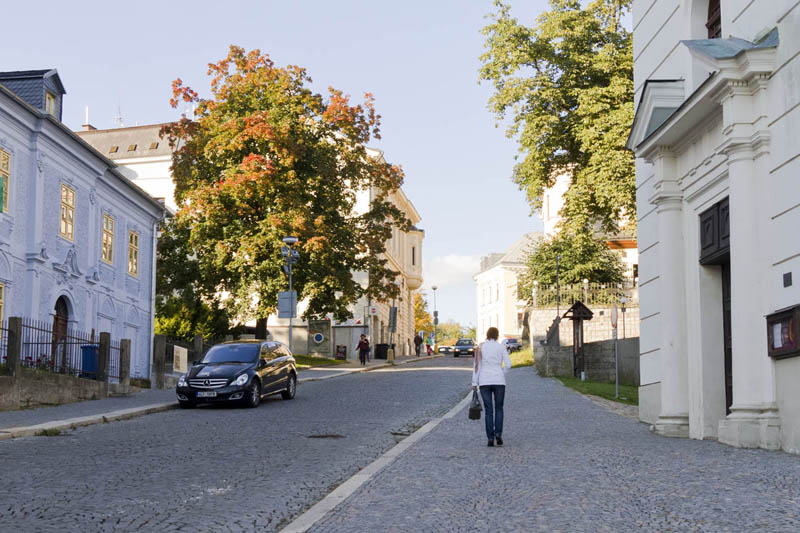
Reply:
x=754, y=420
x=673, y=420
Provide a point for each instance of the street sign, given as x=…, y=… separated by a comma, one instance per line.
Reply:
x=614, y=315
x=393, y=319
x=435, y=314
x=372, y=310
x=287, y=304
x=436, y=321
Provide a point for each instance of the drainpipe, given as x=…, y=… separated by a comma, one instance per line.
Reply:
x=153, y=294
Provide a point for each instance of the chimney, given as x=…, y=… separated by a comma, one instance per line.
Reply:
x=86, y=126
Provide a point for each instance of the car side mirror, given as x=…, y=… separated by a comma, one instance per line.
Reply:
x=262, y=363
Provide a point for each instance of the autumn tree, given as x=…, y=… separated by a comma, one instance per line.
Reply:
x=566, y=86
x=422, y=318
x=264, y=157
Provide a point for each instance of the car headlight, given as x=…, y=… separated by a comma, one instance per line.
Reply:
x=182, y=381
x=241, y=380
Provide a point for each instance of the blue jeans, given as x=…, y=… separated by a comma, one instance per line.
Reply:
x=494, y=415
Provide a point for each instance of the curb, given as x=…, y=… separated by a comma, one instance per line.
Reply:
x=72, y=423
x=134, y=412
x=317, y=512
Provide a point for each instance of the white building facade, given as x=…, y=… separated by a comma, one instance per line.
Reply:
x=498, y=303
x=717, y=165
x=77, y=238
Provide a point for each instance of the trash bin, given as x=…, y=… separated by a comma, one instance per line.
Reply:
x=341, y=351
x=89, y=357
x=381, y=351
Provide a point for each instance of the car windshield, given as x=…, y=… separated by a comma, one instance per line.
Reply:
x=233, y=353
x=512, y=341
x=464, y=342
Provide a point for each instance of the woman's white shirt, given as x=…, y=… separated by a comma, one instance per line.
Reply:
x=492, y=365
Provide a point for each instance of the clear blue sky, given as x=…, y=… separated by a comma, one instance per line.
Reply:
x=419, y=59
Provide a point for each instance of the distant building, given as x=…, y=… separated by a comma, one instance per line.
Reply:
x=715, y=137
x=77, y=238
x=498, y=303
x=142, y=155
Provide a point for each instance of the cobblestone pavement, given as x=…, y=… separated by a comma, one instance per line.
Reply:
x=570, y=465
x=220, y=468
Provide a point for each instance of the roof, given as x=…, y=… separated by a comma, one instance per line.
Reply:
x=145, y=141
x=31, y=74
x=112, y=167
x=732, y=46
x=514, y=255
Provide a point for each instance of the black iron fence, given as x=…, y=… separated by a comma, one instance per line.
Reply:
x=3, y=342
x=62, y=351
x=114, y=361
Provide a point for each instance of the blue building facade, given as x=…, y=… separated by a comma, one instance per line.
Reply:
x=77, y=238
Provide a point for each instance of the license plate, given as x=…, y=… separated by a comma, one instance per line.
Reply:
x=206, y=394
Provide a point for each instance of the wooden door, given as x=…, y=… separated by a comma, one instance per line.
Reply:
x=726, y=328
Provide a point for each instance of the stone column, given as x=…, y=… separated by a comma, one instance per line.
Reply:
x=673, y=421
x=14, y=349
x=125, y=364
x=103, y=360
x=159, y=356
x=753, y=421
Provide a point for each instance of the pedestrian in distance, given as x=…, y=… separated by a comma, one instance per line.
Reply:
x=417, y=343
x=363, y=349
x=489, y=374
x=429, y=345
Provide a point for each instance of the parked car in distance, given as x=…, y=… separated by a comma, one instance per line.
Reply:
x=445, y=349
x=464, y=347
x=239, y=371
x=513, y=345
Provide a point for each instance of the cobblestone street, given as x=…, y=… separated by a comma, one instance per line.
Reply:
x=219, y=469
x=570, y=465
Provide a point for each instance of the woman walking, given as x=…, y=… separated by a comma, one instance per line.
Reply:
x=489, y=373
x=363, y=349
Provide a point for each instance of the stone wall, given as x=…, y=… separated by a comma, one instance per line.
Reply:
x=37, y=388
x=599, y=360
x=597, y=329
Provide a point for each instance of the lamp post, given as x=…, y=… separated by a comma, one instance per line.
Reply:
x=291, y=256
x=623, y=301
x=435, y=316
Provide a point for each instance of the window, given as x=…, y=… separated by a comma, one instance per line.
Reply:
x=133, y=253
x=153, y=145
x=107, y=254
x=5, y=173
x=50, y=103
x=714, y=24
x=413, y=255
x=496, y=292
x=131, y=147
x=113, y=149
x=67, y=228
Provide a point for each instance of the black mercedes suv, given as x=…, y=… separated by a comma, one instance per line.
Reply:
x=239, y=371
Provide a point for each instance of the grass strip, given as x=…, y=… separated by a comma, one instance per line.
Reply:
x=523, y=357
x=628, y=394
x=308, y=361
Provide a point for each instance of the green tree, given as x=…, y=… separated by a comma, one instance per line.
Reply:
x=184, y=307
x=422, y=318
x=449, y=332
x=566, y=84
x=266, y=157
x=581, y=257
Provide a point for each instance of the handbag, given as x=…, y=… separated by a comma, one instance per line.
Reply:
x=475, y=407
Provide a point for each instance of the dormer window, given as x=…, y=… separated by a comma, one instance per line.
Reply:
x=50, y=103
x=714, y=24
x=113, y=150
x=131, y=147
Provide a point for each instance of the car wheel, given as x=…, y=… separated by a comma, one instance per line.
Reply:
x=186, y=405
x=291, y=388
x=253, y=396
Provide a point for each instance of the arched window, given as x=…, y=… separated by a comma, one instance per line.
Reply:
x=714, y=23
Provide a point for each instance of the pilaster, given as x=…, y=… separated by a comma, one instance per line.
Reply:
x=673, y=420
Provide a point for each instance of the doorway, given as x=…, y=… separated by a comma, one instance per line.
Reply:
x=715, y=250
x=60, y=327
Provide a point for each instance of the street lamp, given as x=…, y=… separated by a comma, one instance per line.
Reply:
x=435, y=315
x=623, y=301
x=292, y=256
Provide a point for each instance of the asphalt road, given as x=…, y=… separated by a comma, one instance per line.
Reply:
x=220, y=468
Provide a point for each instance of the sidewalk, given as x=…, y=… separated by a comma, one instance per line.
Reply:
x=568, y=464
x=28, y=422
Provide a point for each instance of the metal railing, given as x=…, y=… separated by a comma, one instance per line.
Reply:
x=44, y=349
x=3, y=342
x=591, y=294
